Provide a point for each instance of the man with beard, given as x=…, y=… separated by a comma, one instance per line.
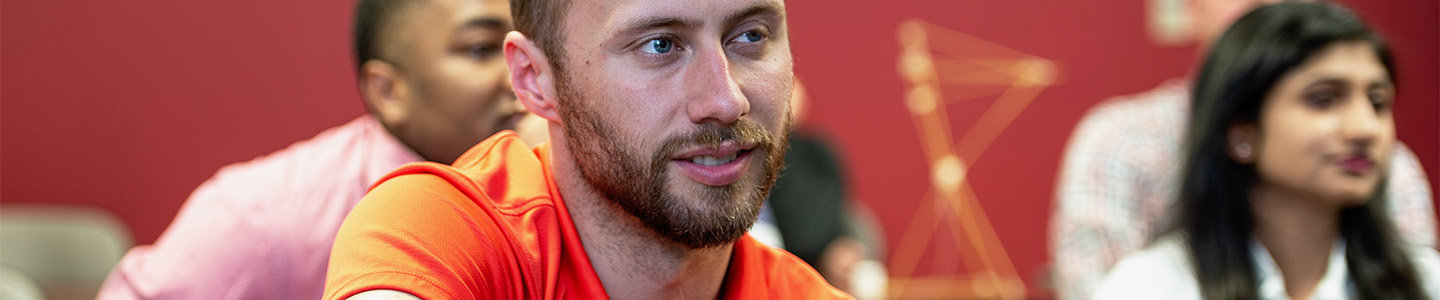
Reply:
x=668, y=121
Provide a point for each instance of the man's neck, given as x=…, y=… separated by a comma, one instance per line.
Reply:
x=1299, y=233
x=632, y=261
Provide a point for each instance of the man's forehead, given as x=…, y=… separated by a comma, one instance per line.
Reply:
x=617, y=15
x=459, y=14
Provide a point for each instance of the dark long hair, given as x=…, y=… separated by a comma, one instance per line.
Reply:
x=1214, y=214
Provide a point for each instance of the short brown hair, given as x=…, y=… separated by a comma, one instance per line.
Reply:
x=541, y=21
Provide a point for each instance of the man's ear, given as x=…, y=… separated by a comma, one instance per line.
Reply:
x=385, y=92
x=1242, y=143
x=531, y=76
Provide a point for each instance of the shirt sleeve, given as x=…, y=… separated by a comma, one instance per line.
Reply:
x=217, y=248
x=1096, y=219
x=420, y=235
x=1409, y=198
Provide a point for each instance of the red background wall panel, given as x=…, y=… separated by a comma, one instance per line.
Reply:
x=130, y=105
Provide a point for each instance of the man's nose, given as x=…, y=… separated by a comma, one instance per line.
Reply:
x=713, y=91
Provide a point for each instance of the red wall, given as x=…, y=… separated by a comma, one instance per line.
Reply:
x=129, y=105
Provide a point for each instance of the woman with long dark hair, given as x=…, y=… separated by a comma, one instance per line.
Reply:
x=1281, y=188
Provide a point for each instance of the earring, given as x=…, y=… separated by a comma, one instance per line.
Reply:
x=1243, y=150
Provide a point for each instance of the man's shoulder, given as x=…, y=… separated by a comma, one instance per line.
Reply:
x=1165, y=104
x=422, y=232
x=774, y=273
x=498, y=184
x=338, y=155
x=321, y=176
x=502, y=170
x=447, y=223
x=1126, y=135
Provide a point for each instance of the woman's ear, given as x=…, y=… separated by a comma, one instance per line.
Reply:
x=385, y=92
x=1242, y=143
x=531, y=76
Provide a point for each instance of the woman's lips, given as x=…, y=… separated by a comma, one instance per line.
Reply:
x=1357, y=165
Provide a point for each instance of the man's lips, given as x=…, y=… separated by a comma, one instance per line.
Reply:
x=714, y=166
x=725, y=148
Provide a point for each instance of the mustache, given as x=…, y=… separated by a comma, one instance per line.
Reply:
x=744, y=132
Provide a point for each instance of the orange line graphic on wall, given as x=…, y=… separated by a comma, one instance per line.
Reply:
x=932, y=58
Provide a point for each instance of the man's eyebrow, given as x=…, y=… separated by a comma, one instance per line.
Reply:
x=492, y=23
x=767, y=9
x=660, y=22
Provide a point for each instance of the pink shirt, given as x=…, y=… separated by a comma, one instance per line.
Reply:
x=262, y=229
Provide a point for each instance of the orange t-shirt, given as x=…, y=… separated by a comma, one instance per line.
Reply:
x=493, y=226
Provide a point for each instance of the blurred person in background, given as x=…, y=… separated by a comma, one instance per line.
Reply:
x=432, y=76
x=812, y=212
x=1281, y=193
x=1119, y=174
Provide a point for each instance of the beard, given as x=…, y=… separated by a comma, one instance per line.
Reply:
x=638, y=184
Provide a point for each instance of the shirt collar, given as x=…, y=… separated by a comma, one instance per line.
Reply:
x=1271, y=283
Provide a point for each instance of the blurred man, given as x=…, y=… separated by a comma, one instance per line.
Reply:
x=668, y=123
x=1118, y=177
x=433, y=76
x=812, y=214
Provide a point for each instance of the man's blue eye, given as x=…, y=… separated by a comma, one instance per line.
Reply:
x=658, y=46
x=751, y=36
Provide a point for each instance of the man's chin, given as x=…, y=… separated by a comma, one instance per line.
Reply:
x=711, y=215
x=699, y=197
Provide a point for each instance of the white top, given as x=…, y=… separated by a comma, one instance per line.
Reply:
x=1164, y=271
